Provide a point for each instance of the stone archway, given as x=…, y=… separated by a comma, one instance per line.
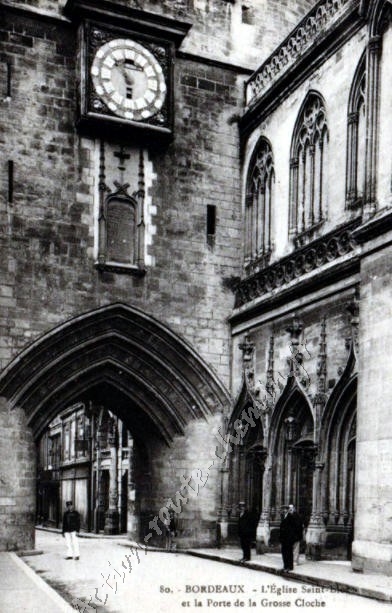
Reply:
x=339, y=443
x=292, y=447
x=157, y=384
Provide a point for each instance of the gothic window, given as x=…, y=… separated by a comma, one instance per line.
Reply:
x=258, y=206
x=356, y=139
x=121, y=230
x=308, y=169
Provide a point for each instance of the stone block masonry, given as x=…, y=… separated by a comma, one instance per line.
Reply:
x=48, y=235
x=51, y=219
x=17, y=480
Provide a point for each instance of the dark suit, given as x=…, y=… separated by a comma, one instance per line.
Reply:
x=290, y=531
x=246, y=532
x=71, y=521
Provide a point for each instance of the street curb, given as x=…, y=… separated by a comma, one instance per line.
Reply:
x=42, y=585
x=294, y=575
x=84, y=535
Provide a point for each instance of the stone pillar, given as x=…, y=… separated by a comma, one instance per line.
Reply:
x=372, y=112
x=112, y=516
x=99, y=504
x=372, y=545
x=352, y=139
x=102, y=188
x=263, y=527
x=223, y=516
x=316, y=532
x=289, y=477
x=133, y=521
x=17, y=479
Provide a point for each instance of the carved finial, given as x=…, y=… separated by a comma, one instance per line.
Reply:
x=122, y=156
x=247, y=347
x=322, y=360
x=291, y=426
x=140, y=193
x=101, y=179
x=294, y=329
x=141, y=173
x=270, y=385
x=353, y=310
x=295, y=360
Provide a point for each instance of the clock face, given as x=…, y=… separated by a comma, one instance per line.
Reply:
x=128, y=79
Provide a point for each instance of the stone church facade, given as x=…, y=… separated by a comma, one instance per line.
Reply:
x=196, y=238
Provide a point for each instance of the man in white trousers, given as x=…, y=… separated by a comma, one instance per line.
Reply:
x=71, y=528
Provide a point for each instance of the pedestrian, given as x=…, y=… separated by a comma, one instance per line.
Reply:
x=170, y=530
x=71, y=528
x=300, y=536
x=291, y=529
x=246, y=530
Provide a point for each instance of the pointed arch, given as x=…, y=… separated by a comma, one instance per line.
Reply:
x=308, y=167
x=293, y=447
x=163, y=383
x=338, y=448
x=259, y=205
x=381, y=15
x=293, y=395
x=247, y=460
x=356, y=138
x=339, y=395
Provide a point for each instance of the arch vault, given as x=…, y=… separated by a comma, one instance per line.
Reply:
x=155, y=381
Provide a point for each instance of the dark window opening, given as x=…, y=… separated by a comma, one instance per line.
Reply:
x=8, y=80
x=247, y=15
x=10, y=181
x=211, y=224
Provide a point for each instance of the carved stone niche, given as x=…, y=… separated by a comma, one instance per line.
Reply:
x=247, y=347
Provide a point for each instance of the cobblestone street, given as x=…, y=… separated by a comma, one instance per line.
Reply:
x=112, y=578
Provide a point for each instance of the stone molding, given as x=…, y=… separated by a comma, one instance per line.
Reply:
x=326, y=249
x=315, y=24
x=120, y=346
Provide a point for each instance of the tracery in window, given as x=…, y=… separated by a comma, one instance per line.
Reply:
x=258, y=207
x=356, y=139
x=308, y=170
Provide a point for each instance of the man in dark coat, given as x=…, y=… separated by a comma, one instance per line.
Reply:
x=71, y=527
x=290, y=532
x=246, y=530
x=170, y=530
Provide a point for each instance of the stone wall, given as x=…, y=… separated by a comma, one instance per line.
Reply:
x=17, y=479
x=48, y=215
x=48, y=228
x=186, y=476
x=373, y=527
x=332, y=80
x=220, y=27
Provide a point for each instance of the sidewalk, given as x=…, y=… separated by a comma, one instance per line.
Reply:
x=23, y=591
x=337, y=575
